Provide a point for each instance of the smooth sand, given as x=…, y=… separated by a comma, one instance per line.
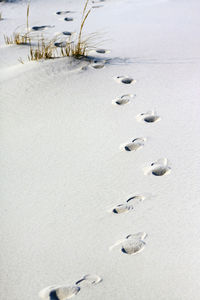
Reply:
x=63, y=163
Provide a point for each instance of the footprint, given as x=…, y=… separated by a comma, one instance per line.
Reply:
x=68, y=33
x=159, y=168
x=149, y=117
x=135, y=144
x=98, y=65
x=122, y=208
x=68, y=19
x=40, y=28
x=60, y=44
x=160, y=171
x=130, y=204
x=59, y=292
x=125, y=79
x=88, y=280
x=97, y=6
x=124, y=99
x=64, y=12
x=102, y=51
x=132, y=244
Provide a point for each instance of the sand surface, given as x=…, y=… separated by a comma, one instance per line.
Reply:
x=64, y=167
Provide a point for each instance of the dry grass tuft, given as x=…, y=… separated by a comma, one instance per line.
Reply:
x=43, y=51
x=17, y=38
x=75, y=49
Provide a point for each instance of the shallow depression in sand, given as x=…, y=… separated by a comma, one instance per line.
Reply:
x=134, y=243
x=125, y=79
x=124, y=99
x=135, y=144
x=98, y=65
x=132, y=246
x=122, y=208
x=130, y=204
x=158, y=168
x=149, y=117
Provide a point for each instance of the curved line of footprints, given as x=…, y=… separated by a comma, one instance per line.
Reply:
x=132, y=243
x=135, y=243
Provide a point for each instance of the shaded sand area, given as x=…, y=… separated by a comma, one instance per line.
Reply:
x=100, y=157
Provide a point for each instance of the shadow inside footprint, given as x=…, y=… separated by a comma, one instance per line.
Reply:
x=97, y=6
x=98, y=1
x=122, y=101
x=53, y=296
x=60, y=44
x=125, y=80
x=68, y=33
x=68, y=19
x=160, y=171
x=40, y=28
x=149, y=117
x=63, y=12
x=102, y=51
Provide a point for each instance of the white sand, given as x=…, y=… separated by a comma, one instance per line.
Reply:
x=62, y=167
